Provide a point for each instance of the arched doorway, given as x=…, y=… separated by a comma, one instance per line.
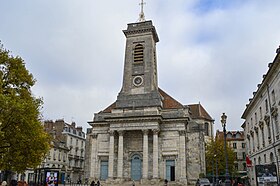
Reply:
x=136, y=167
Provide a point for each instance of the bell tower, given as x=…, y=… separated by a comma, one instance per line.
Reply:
x=140, y=82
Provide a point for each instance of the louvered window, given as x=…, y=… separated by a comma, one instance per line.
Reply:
x=138, y=53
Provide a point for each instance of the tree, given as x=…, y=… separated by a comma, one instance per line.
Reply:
x=215, y=153
x=24, y=143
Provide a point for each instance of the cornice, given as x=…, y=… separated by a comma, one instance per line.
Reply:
x=262, y=87
x=157, y=118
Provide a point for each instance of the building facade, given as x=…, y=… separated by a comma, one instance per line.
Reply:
x=66, y=156
x=237, y=142
x=146, y=135
x=261, y=126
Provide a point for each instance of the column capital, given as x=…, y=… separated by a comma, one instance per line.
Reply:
x=94, y=135
x=111, y=132
x=145, y=131
x=155, y=131
x=182, y=132
x=121, y=132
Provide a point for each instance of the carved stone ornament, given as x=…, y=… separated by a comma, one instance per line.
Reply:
x=261, y=123
x=182, y=132
x=155, y=131
x=252, y=132
x=256, y=129
x=274, y=111
x=94, y=135
x=145, y=131
x=121, y=132
x=111, y=132
x=266, y=117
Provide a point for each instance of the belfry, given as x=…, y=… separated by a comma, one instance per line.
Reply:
x=146, y=136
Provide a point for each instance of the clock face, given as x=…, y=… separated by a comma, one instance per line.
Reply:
x=137, y=81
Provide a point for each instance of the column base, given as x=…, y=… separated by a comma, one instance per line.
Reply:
x=119, y=180
x=109, y=180
x=155, y=181
x=144, y=181
x=184, y=181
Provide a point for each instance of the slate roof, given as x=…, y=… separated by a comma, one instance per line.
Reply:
x=220, y=135
x=197, y=110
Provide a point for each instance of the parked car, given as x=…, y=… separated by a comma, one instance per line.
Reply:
x=202, y=182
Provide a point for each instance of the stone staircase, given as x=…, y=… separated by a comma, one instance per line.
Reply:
x=138, y=183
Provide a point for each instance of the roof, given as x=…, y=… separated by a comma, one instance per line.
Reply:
x=220, y=135
x=168, y=103
x=198, y=112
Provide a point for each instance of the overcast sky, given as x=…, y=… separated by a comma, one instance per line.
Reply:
x=210, y=51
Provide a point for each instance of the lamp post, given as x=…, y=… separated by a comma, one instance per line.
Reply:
x=223, y=121
x=217, y=175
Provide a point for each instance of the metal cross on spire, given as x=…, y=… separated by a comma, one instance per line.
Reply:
x=141, y=15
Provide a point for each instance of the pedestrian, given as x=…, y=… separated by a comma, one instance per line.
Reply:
x=4, y=183
x=133, y=183
x=235, y=183
x=14, y=183
x=165, y=182
x=92, y=183
x=98, y=183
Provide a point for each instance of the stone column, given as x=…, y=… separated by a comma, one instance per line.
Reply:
x=155, y=153
x=111, y=155
x=120, y=155
x=182, y=154
x=145, y=154
x=93, y=156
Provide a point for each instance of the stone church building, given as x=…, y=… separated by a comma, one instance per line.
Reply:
x=146, y=136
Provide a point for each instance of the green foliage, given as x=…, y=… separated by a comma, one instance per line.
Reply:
x=201, y=175
x=23, y=140
x=215, y=153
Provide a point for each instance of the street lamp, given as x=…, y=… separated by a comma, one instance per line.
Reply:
x=217, y=175
x=223, y=121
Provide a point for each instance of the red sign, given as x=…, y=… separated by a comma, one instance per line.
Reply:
x=248, y=162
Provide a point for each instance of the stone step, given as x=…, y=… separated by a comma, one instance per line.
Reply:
x=138, y=183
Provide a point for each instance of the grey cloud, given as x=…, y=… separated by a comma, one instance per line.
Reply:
x=75, y=49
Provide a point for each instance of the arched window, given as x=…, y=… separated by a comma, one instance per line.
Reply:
x=138, y=53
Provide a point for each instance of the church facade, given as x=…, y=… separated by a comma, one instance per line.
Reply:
x=146, y=136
